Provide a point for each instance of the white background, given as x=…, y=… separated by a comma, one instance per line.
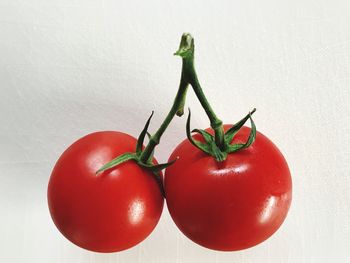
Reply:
x=71, y=67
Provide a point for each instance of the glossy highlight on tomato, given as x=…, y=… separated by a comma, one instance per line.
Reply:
x=229, y=205
x=106, y=212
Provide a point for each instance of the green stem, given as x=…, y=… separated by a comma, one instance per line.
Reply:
x=175, y=109
x=219, y=148
x=186, y=51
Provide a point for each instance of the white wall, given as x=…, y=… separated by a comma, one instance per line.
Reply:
x=71, y=67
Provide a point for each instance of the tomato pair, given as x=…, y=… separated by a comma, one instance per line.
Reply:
x=230, y=205
x=229, y=189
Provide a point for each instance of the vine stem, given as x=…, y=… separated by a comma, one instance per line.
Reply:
x=188, y=76
x=186, y=51
x=176, y=109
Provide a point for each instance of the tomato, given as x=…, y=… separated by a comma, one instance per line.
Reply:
x=229, y=205
x=106, y=212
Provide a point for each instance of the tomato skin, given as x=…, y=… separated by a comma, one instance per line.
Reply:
x=110, y=211
x=231, y=205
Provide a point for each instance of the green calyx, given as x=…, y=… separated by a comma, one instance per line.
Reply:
x=210, y=147
x=136, y=156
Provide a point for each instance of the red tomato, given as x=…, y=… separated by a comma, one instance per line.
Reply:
x=231, y=205
x=110, y=211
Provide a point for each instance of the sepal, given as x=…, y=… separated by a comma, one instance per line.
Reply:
x=157, y=167
x=230, y=133
x=142, y=135
x=201, y=146
x=116, y=161
x=250, y=140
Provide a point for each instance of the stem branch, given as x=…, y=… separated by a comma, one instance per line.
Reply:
x=175, y=109
x=188, y=76
x=186, y=51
